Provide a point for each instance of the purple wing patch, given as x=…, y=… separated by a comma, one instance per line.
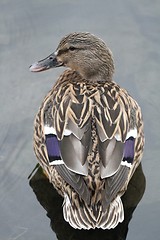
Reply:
x=53, y=149
x=128, y=151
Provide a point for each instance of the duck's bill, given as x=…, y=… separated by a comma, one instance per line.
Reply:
x=45, y=64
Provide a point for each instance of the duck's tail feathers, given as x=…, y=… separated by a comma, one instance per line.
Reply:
x=85, y=217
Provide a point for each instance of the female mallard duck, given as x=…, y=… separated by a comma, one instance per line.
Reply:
x=88, y=133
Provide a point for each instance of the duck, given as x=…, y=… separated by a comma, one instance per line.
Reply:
x=88, y=133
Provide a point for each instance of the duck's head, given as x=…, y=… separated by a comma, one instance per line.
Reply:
x=82, y=52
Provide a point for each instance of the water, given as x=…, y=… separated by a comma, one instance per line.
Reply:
x=29, y=30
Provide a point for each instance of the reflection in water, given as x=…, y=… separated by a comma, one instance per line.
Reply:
x=52, y=203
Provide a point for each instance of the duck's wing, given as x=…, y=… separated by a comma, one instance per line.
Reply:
x=68, y=157
x=120, y=130
x=66, y=141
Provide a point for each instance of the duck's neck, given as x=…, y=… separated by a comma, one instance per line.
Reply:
x=74, y=76
x=101, y=73
x=97, y=77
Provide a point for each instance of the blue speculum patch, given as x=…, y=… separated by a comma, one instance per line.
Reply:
x=128, y=152
x=53, y=149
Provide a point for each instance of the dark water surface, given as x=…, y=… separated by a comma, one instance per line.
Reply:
x=30, y=30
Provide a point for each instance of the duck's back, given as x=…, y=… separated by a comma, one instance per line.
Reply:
x=89, y=140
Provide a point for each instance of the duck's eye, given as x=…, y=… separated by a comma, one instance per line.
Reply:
x=71, y=48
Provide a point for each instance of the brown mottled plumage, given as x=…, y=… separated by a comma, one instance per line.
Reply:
x=88, y=133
